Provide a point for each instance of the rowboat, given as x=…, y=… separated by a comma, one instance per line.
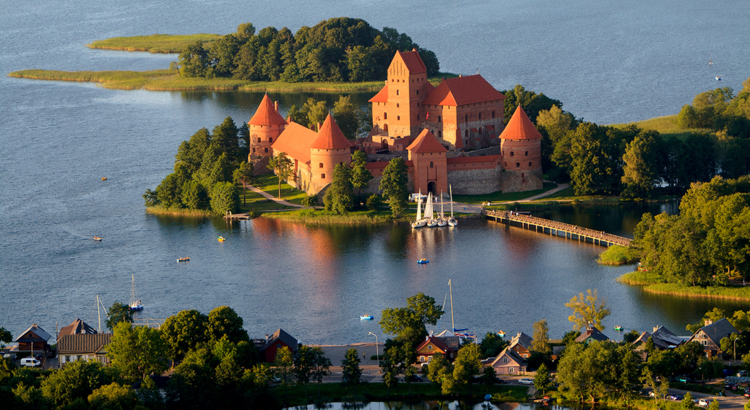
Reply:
x=98, y=239
x=423, y=261
x=185, y=259
x=221, y=239
x=366, y=317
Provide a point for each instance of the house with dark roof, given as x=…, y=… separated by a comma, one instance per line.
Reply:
x=663, y=339
x=508, y=362
x=710, y=335
x=521, y=344
x=78, y=327
x=83, y=346
x=432, y=346
x=279, y=339
x=591, y=334
x=33, y=339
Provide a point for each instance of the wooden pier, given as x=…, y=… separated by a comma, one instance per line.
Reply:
x=235, y=217
x=556, y=228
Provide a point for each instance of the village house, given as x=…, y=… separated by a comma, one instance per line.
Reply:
x=77, y=327
x=710, y=335
x=521, y=344
x=34, y=339
x=279, y=339
x=508, y=362
x=437, y=130
x=432, y=346
x=591, y=334
x=83, y=346
x=662, y=337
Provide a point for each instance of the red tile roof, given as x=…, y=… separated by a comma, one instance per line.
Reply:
x=426, y=142
x=435, y=341
x=413, y=61
x=376, y=165
x=266, y=114
x=468, y=160
x=381, y=96
x=520, y=127
x=463, y=90
x=330, y=136
x=296, y=141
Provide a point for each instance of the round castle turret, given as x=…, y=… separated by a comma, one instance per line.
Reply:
x=521, y=148
x=264, y=127
x=329, y=148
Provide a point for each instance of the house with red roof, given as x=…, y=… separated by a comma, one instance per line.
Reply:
x=432, y=346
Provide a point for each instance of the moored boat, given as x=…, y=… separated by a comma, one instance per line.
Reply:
x=366, y=317
x=135, y=305
x=423, y=261
x=618, y=328
x=452, y=221
x=419, y=222
x=185, y=259
x=98, y=239
x=221, y=239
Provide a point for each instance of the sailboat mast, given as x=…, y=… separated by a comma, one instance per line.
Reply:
x=442, y=214
x=453, y=325
x=99, y=313
x=450, y=187
x=133, y=300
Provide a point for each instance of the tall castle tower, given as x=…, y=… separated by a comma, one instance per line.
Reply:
x=430, y=164
x=396, y=109
x=329, y=148
x=265, y=127
x=521, y=148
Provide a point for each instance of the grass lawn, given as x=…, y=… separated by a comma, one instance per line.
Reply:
x=337, y=392
x=667, y=127
x=156, y=43
x=501, y=197
x=270, y=185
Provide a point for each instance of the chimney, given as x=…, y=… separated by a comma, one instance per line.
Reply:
x=427, y=338
x=318, y=127
x=276, y=106
x=708, y=322
x=655, y=329
x=266, y=337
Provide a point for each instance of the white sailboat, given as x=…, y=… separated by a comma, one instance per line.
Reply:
x=429, y=215
x=419, y=222
x=135, y=305
x=452, y=221
x=441, y=220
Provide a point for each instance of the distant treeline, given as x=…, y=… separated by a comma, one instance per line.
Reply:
x=337, y=50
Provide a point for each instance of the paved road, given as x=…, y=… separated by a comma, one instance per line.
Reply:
x=731, y=401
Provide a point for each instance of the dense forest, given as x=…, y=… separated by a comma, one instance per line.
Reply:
x=337, y=50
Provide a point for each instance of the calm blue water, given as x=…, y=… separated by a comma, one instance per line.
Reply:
x=607, y=61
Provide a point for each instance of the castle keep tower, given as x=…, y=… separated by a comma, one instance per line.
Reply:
x=521, y=149
x=265, y=127
x=430, y=164
x=329, y=148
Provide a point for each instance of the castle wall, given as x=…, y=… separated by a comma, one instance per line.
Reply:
x=261, y=139
x=474, y=179
x=520, y=181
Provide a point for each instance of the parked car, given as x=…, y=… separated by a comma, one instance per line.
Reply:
x=11, y=356
x=499, y=380
x=674, y=397
x=747, y=393
x=526, y=381
x=704, y=402
x=30, y=362
x=415, y=378
x=743, y=373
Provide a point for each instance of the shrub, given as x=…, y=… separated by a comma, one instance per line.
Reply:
x=310, y=200
x=374, y=202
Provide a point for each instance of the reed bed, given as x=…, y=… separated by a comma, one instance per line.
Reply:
x=155, y=43
x=193, y=213
x=617, y=255
x=315, y=217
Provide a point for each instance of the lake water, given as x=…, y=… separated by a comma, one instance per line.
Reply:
x=432, y=405
x=607, y=61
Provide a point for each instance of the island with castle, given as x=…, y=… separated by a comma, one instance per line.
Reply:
x=452, y=134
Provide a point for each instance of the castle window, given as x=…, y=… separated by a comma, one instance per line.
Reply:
x=480, y=116
x=258, y=139
x=320, y=165
x=322, y=176
x=398, y=118
x=253, y=149
x=397, y=92
x=417, y=117
x=527, y=153
x=270, y=139
x=385, y=115
x=431, y=166
x=440, y=118
x=467, y=133
x=518, y=165
x=480, y=130
x=398, y=105
x=522, y=175
x=529, y=163
x=385, y=127
x=512, y=153
x=266, y=149
x=440, y=133
x=417, y=92
x=466, y=118
x=505, y=164
x=493, y=114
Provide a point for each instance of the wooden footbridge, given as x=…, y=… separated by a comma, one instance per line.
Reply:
x=557, y=228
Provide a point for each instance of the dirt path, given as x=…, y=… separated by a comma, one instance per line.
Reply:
x=271, y=197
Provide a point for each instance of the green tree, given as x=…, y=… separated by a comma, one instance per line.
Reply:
x=315, y=112
x=224, y=321
x=587, y=309
x=488, y=376
x=194, y=60
x=339, y=196
x=438, y=368
x=190, y=153
x=5, y=337
x=641, y=171
x=360, y=175
x=351, y=372
x=282, y=166
x=374, y=202
x=492, y=344
x=346, y=115
x=467, y=365
x=409, y=322
x=394, y=186
x=194, y=195
x=224, y=198
x=541, y=379
x=76, y=380
x=137, y=351
x=118, y=312
x=183, y=332
x=112, y=397
x=244, y=174
x=193, y=384
x=284, y=365
x=587, y=371
x=540, y=340
x=225, y=138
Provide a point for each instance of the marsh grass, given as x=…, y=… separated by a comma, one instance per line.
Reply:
x=191, y=213
x=653, y=283
x=617, y=255
x=155, y=43
x=322, y=217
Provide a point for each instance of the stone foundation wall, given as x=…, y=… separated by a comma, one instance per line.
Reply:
x=475, y=181
x=520, y=181
x=260, y=166
x=375, y=183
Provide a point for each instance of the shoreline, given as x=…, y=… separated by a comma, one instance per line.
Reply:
x=694, y=292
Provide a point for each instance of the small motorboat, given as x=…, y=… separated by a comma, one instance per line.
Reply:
x=221, y=239
x=423, y=261
x=185, y=259
x=104, y=178
x=136, y=306
x=98, y=239
x=366, y=317
x=717, y=78
x=501, y=333
x=618, y=328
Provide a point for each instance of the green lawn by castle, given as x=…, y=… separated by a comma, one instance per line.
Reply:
x=501, y=197
x=169, y=80
x=156, y=43
x=654, y=284
x=667, y=127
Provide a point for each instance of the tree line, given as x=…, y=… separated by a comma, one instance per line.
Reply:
x=338, y=50
x=707, y=243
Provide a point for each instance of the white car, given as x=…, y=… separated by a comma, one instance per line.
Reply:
x=30, y=362
x=704, y=402
x=526, y=381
